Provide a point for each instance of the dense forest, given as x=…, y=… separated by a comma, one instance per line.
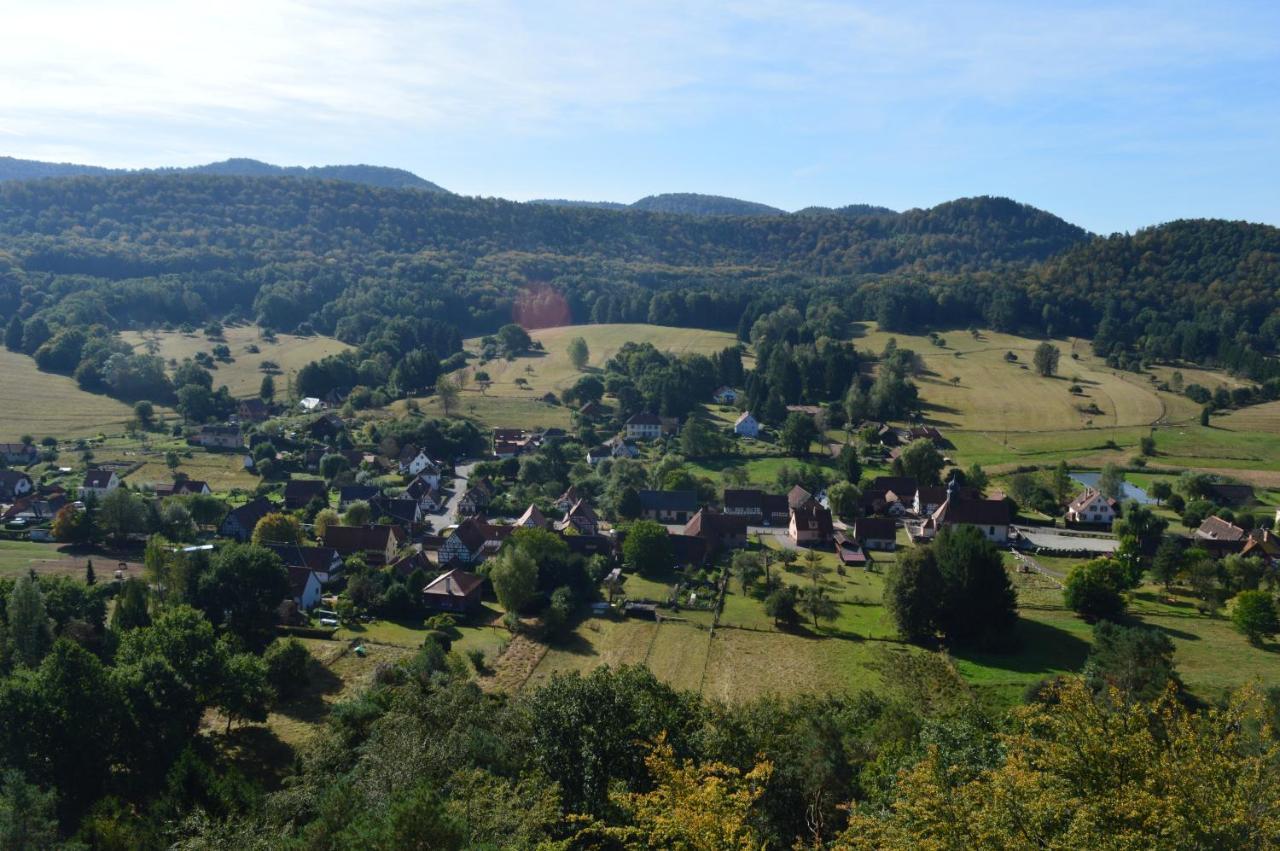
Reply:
x=342, y=258
x=371, y=175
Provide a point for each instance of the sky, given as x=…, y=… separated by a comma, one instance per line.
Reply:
x=1114, y=115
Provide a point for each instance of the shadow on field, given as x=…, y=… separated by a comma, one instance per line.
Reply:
x=309, y=705
x=1038, y=649
x=576, y=644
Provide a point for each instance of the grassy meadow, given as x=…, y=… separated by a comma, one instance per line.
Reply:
x=242, y=376
x=41, y=403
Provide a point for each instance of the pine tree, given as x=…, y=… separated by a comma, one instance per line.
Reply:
x=89, y=577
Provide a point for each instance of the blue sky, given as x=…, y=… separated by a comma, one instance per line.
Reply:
x=1112, y=115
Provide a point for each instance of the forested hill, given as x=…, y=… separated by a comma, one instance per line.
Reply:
x=145, y=248
x=370, y=175
x=693, y=204
x=1200, y=289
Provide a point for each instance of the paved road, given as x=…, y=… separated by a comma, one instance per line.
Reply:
x=449, y=516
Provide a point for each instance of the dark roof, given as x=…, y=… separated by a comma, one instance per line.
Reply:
x=930, y=494
x=688, y=549
x=454, y=583
x=416, y=560
x=9, y=478
x=714, y=525
x=298, y=577
x=644, y=418
x=419, y=488
x=305, y=490
x=669, y=500
x=96, y=478
x=312, y=558
x=1217, y=529
x=351, y=493
x=738, y=498
x=350, y=539
x=250, y=513
x=798, y=496
x=1233, y=494
x=901, y=485
x=473, y=532
x=975, y=512
x=253, y=407
x=875, y=529
x=813, y=512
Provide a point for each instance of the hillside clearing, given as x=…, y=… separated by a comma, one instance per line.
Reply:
x=42, y=403
x=243, y=375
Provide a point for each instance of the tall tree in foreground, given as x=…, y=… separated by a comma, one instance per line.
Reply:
x=30, y=629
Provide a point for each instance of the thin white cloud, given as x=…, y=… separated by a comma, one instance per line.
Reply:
x=187, y=70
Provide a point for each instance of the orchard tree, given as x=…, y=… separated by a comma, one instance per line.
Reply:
x=922, y=461
x=1095, y=590
x=781, y=605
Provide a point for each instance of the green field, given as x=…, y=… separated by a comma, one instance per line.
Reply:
x=42, y=403
x=242, y=376
x=503, y=403
x=748, y=657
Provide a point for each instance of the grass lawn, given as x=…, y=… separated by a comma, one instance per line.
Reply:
x=242, y=376
x=41, y=403
x=480, y=633
x=17, y=557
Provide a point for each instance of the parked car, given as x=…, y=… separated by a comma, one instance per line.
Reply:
x=42, y=535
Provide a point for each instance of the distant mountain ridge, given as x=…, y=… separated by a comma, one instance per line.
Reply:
x=695, y=204
x=368, y=175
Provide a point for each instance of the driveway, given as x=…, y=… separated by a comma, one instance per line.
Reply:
x=449, y=515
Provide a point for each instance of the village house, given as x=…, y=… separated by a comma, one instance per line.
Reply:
x=724, y=395
x=298, y=493
x=218, y=437
x=757, y=507
x=798, y=497
x=415, y=462
x=473, y=541
x=404, y=512
x=377, y=544
x=324, y=562
x=596, y=454
x=533, y=518
x=348, y=494
x=454, y=591
x=14, y=485
x=591, y=410
x=240, y=522
x=581, y=518
x=326, y=428
x=991, y=517
x=566, y=500
x=1224, y=493
x=475, y=500
x=719, y=531
x=810, y=524
x=893, y=495
x=746, y=425
x=850, y=552
x=252, y=410
x=1220, y=537
x=1263, y=544
x=644, y=426
x=305, y=587
x=424, y=493
x=99, y=482
x=668, y=506
x=876, y=533
x=807, y=410
x=19, y=454
x=510, y=442
x=1092, y=508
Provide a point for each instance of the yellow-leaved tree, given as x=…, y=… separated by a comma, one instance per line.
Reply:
x=1094, y=771
x=705, y=807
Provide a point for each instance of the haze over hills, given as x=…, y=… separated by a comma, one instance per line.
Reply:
x=369, y=175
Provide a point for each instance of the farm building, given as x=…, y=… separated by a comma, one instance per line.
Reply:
x=454, y=591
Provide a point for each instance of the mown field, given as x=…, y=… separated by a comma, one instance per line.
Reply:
x=748, y=657
x=243, y=375
x=41, y=403
x=504, y=403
